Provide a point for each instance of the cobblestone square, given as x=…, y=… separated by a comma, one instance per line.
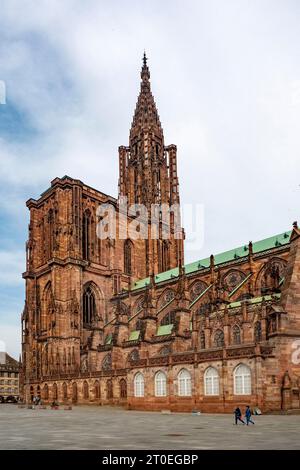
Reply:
x=95, y=428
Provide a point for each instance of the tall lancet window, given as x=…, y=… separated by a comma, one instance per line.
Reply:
x=86, y=229
x=165, y=257
x=89, y=306
x=50, y=233
x=128, y=257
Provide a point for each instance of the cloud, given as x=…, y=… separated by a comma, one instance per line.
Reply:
x=12, y=264
x=10, y=339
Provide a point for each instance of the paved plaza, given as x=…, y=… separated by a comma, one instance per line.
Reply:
x=93, y=427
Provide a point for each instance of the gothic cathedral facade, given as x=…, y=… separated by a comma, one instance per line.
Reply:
x=124, y=321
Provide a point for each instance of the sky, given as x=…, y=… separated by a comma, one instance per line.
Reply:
x=226, y=79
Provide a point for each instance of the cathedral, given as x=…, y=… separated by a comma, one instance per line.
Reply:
x=124, y=321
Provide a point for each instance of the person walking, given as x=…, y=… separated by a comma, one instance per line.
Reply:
x=248, y=415
x=238, y=415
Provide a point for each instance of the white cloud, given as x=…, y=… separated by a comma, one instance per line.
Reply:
x=10, y=339
x=12, y=264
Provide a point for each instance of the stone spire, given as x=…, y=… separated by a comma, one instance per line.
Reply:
x=148, y=176
x=145, y=117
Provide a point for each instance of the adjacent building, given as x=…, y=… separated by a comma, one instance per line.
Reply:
x=9, y=378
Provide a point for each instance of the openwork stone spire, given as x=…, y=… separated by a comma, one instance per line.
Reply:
x=148, y=176
x=145, y=117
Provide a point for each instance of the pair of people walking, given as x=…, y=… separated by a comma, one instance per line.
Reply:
x=238, y=415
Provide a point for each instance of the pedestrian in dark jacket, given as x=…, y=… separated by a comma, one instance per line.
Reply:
x=248, y=415
x=238, y=415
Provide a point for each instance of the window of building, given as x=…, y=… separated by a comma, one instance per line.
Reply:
x=109, y=389
x=202, y=339
x=242, y=380
x=219, y=339
x=168, y=319
x=86, y=228
x=85, y=390
x=123, y=388
x=160, y=384
x=128, y=257
x=107, y=362
x=236, y=334
x=89, y=306
x=184, y=383
x=97, y=389
x=211, y=381
x=50, y=233
x=165, y=257
x=257, y=332
x=139, y=385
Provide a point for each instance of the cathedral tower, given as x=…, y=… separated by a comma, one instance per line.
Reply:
x=148, y=176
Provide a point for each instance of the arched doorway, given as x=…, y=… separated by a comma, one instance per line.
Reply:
x=97, y=390
x=123, y=388
x=65, y=391
x=31, y=393
x=109, y=389
x=74, y=392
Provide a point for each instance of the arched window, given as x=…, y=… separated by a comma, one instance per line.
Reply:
x=139, y=385
x=257, y=332
x=165, y=256
x=109, y=389
x=86, y=228
x=107, y=362
x=46, y=392
x=211, y=381
x=184, y=383
x=54, y=392
x=128, y=257
x=85, y=390
x=97, y=389
x=65, y=391
x=242, y=380
x=166, y=298
x=160, y=384
x=123, y=388
x=48, y=307
x=236, y=334
x=134, y=356
x=168, y=319
x=202, y=339
x=89, y=306
x=219, y=339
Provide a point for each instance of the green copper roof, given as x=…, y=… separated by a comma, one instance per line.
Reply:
x=141, y=283
x=231, y=255
x=108, y=339
x=134, y=335
x=255, y=300
x=164, y=330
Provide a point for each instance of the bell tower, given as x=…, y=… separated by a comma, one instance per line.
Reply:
x=148, y=176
